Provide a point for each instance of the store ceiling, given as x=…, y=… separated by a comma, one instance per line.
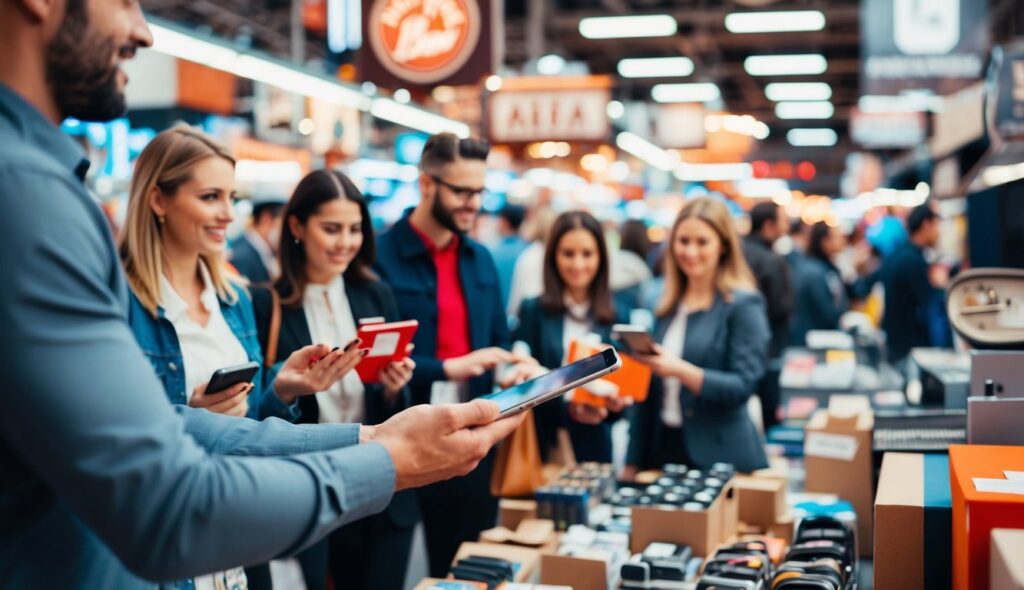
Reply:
x=718, y=55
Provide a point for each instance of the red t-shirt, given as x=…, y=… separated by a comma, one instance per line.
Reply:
x=452, y=315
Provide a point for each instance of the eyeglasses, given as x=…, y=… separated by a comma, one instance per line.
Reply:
x=464, y=193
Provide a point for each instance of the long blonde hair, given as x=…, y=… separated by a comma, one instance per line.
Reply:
x=733, y=273
x=164, y=165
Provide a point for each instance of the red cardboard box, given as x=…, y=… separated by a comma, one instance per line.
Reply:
x=976, y=513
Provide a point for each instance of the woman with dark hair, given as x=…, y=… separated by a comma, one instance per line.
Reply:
x=577, y=302
x=326, y=287
x=821, y=295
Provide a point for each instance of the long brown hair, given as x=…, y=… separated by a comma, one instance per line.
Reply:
x=733, y=273
x=553, y=298
x=317, y=188
x=164, y=165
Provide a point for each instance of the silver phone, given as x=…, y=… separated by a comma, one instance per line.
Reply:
x=528, y=394
x=636, y=338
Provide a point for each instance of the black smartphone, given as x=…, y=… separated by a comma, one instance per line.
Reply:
x=229, y=376
x=528, y=394
x=635, y=338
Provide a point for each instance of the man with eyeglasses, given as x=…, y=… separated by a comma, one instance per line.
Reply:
x=449, y=283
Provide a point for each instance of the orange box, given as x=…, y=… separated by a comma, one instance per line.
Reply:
x=976, y=513
x=633, y=378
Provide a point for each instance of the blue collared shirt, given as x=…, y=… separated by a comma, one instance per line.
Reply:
x=103, y=483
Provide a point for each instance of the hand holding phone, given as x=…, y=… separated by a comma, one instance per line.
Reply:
x=524, y=396
x=228, y=376
x=635, y=338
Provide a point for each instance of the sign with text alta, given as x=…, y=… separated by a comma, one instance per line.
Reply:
x=426, y=42
x=548, y=108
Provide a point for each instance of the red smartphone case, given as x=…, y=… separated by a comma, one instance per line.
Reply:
x=387, y=344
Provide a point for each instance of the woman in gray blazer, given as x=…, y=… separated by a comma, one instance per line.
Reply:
x=713, y=334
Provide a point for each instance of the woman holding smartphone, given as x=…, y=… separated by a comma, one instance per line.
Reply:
x=326, y=287
x=189, y=317
x=577, y=301
x=713, y=334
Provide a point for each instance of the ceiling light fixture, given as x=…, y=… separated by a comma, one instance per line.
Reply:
x=699, y=92
x=655, y=67
x=810, y=64
x=804, y=110
x=812, y=137
x=775, y=22
x=625, y=27
x=779, y=91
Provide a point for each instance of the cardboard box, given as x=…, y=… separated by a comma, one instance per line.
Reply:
x=527, y=558
x=913, y=523
x=837, y=457
x=532, y=532
x=976, y=513
x=778, y=468
x=577, y=572
x=783, y=529
x=1007, y=570
x=512, y=512
x=762, y=501
x=702, y=531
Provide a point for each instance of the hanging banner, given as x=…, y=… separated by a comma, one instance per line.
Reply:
x=426, y=42
x=550, y=108
x=1006, y=92
x=939, y=45
x=888, y=130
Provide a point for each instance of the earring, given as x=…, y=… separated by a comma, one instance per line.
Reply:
x=161, y=219
x=298, y=241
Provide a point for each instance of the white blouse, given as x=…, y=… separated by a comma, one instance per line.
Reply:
x=674, y=342
x=204, y=349
x=574, y=328
x=330, y=322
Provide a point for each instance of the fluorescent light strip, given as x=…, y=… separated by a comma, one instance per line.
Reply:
x=648, y=152
x=655, y=67
x=215, y=55
x=624, y=27
x=415, y=118
x=704, y=172
x=775, y=22
x=812, y=137
x=786, y=65
x=779, y=91
x=699, y=92
x=804, y=110
x=914, y=103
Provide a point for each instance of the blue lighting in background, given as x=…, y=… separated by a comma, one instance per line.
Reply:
x=409, y=147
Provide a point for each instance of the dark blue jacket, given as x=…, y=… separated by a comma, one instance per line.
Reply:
x=405, y=264
x=730, y=342
x=821, y=299
x=543, y=331
x=158, y=339
x=909, y=296
x=247, y=261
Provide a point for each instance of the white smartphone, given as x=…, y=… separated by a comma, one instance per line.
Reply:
x=528, y=394
x=636, y=338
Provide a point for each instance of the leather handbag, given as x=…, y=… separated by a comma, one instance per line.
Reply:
x=274, y=334
x=517, y=468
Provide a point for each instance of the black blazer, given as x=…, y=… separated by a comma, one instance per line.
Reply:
x=730, y=342
x=248, y=262
x=372, y=299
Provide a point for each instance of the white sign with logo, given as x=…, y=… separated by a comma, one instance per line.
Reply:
x=540, y=115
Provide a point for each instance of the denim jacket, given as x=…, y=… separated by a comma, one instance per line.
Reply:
x=158, y=339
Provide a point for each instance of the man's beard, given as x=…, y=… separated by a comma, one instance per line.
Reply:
x=78, y=67
x=443, y=216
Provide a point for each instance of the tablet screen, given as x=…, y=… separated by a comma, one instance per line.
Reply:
x=583, y=370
